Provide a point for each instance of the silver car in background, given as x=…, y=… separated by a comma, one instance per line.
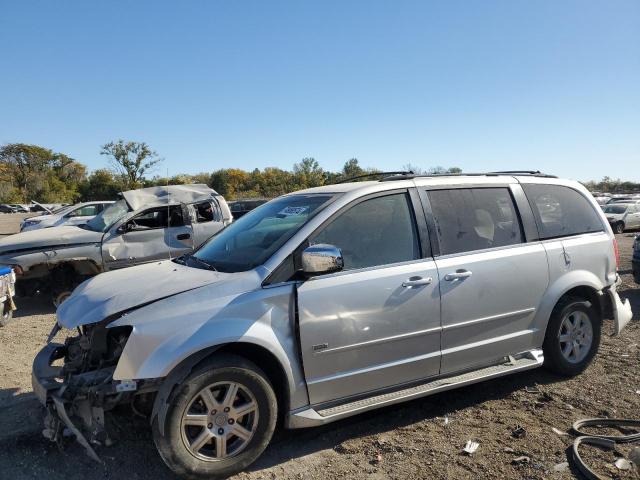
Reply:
x=622, y=216
x=71, y=215
x=331, y=301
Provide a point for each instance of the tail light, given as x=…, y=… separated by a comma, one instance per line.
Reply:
x=616, y=251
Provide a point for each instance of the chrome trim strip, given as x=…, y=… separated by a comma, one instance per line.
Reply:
x=489, y=341
x=515, y=313
x=380, y=366
x=392, y=338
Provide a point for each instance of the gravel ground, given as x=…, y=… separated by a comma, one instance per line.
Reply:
x=419, y=439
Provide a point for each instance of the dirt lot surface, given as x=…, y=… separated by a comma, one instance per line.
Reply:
x=420, y=439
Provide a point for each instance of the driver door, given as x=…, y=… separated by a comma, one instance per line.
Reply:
x=365, y=328
x=155, y=234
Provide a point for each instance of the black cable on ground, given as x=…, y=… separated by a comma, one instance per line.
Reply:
x=604, y=441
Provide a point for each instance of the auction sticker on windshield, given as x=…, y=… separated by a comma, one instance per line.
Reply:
x=290, y=211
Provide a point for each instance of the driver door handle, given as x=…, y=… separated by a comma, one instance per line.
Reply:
x=183, y=236
x=417, y=282
x=458, y=275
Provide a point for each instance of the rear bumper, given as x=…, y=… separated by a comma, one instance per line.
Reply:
x=622, y=313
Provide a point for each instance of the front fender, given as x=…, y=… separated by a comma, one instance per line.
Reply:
x=170, y=331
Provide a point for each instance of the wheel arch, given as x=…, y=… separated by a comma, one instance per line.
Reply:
x=580, y=283
x=261, y=356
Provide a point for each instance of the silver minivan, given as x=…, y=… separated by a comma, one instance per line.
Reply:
x=331, y=301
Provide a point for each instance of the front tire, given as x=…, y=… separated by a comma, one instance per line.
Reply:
x=220, y=420
x=573, y=336
x=618, y=227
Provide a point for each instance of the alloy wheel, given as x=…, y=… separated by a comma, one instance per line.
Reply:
x=219, y=421
x=575, y=336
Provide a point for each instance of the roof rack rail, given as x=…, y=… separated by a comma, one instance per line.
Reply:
x=373, y=174
x=409, y=175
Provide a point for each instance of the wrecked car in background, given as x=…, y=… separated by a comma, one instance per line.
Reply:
x=143, y=226
x=70, y=215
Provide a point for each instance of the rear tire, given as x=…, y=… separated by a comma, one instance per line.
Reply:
x=618, y=227
x=572, y=337
x=200, y=413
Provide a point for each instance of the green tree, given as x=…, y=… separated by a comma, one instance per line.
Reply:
x=131, y=159
x=352, y=168
x=102, y=184
x=308, y=173
x=32, y=172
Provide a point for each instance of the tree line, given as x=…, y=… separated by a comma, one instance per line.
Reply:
x=32, y=172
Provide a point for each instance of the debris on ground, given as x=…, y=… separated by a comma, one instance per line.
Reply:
x=561, y=467
x=519, y=432
x=521, y=460
x=557, y=431
x=470, y=447
x=623, y=464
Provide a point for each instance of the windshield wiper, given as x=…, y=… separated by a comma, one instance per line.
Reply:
x=190, y=256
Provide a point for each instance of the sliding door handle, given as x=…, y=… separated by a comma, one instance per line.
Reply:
x=458, y=275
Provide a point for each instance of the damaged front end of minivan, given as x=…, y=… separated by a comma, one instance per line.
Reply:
x=74, y=381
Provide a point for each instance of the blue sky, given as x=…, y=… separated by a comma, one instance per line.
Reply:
x=484, y=85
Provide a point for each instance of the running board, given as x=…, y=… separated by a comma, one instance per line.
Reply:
x=308, y=417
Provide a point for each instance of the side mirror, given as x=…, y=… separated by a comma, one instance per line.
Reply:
x=322, y=258
x=124, y=228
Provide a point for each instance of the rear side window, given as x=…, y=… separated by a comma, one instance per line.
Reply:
x=207, y=212
x=378, y=231
x=471, y=219
x=561, y=211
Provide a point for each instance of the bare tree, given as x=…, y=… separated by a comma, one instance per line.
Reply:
x=131, y=160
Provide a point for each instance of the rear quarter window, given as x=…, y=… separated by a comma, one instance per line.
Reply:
x=561, y=211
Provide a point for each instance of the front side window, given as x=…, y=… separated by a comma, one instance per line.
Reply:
x=615, y=209
x=378, y=231
x=252, y=239
x=561, y=211
x=469, y=219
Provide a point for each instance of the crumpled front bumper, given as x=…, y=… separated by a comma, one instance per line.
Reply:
x=46, y=378
x=48, y=386
x=622, y=313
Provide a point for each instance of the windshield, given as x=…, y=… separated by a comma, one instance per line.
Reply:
x=616, y=209
x=102, y=221
x=252, y=239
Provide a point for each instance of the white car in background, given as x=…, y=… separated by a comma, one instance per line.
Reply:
x=77, y=214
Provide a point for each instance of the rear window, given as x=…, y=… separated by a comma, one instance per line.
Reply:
x=561, y=211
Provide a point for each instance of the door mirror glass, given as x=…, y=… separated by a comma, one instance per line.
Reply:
x=322, y=258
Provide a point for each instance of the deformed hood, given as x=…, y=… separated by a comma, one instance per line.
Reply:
x=113, y=292
x=48, y=238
